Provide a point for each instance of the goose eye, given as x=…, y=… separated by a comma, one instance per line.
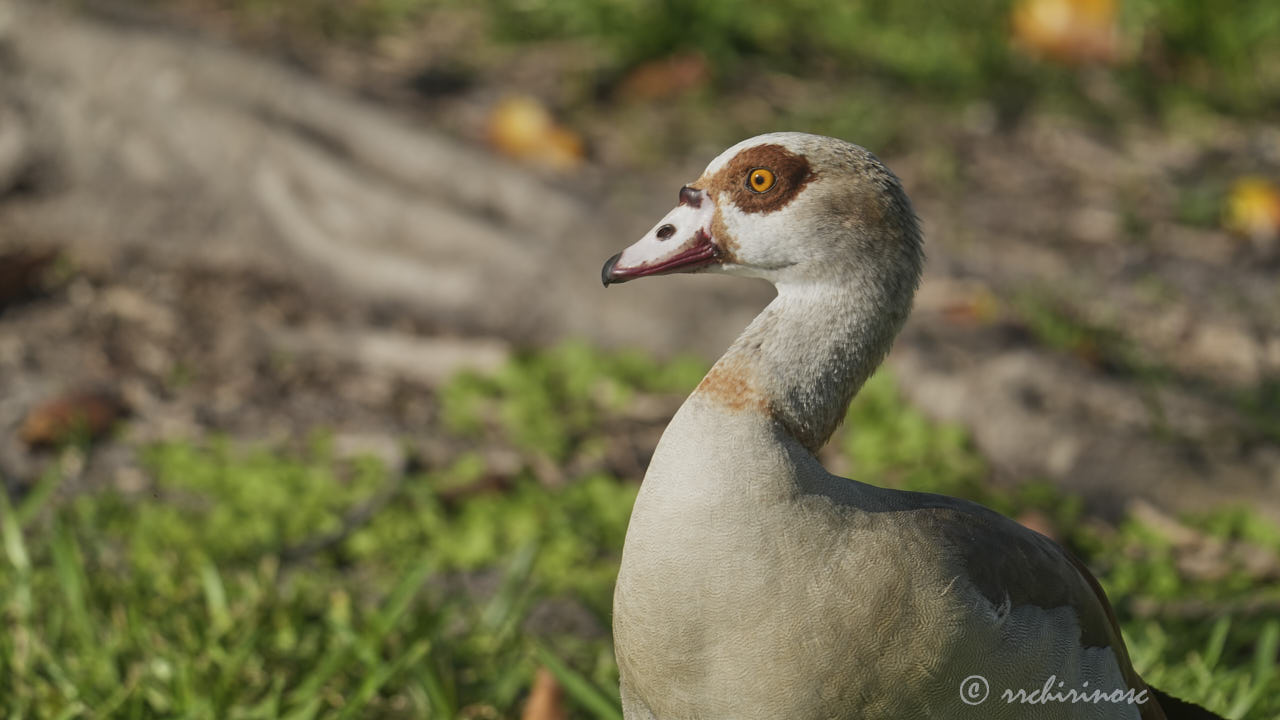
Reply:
x=760, y=180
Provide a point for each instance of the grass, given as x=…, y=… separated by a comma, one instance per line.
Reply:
x=1219, y=57
x=255, y=583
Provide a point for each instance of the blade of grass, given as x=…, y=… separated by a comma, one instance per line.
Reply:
x=400, y=598
x=310, y=706
x=14, y=547
x=304, y=696
x=38, y=497
x=578, y=687
x=269, y=707
x=16, y=550
x=75, y=709
x=443, y=703
x=1217, y=642
x=71, y=580
x=397, y=602
x=1264, y=668
x=123, y=694
x=234, y=661
x=1264, y=660
x=500, y=608
x=54, y=670
x=215, y=598
x=379, y=677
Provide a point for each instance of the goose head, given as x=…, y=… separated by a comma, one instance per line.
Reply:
x=792, y=208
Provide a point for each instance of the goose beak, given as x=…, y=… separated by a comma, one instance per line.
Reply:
x=680, y=242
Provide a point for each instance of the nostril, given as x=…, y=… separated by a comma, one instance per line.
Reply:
x=666, y=231
x=689, y=196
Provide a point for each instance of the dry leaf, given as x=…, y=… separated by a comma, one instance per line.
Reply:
x=1069, y=31
x=665, y=78
x=546, y=698
x=488, y=484
x=85, y=414
x=980, y=307
x=523, y=128
x=22, y=273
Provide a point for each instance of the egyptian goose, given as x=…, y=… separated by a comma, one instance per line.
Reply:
x=755, y=584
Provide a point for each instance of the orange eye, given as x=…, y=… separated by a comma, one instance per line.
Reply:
x=760, y=180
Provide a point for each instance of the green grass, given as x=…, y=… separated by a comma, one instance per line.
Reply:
x=1217, y=56
x=247, y=582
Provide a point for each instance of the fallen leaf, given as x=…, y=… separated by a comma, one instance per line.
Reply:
x=980, y=307
x=665, y=78
x=546, y=698
x=1253, y=209
x=1068, y=31
x=23, y=272
x=84, y=415
x=523, y=128
x=489, y=484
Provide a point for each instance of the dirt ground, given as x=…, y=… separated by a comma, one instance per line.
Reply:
x=197, y=238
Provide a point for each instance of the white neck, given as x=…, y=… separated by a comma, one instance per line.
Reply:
x=807, y=353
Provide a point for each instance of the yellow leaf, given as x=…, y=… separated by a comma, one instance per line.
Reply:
x=1069, y=31
x=1253, y=209
x=523, y=128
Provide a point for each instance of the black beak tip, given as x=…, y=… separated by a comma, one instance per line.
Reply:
x=607, y=270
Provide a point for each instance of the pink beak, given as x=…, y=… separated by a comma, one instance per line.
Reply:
x=680, y=242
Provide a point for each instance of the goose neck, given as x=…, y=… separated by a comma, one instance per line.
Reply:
x=801, y=361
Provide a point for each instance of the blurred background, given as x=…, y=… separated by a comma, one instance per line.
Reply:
x=312, y=406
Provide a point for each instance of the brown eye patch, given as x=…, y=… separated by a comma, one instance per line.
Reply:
x=760, y=179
